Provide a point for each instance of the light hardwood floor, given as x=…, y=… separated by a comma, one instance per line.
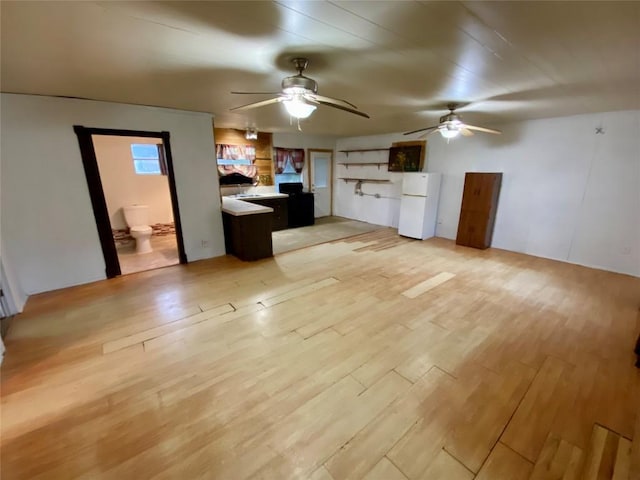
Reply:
x=373, y=357
x=324, y=230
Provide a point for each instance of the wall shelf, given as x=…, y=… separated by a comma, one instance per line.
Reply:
x=363, y=180
x=361, y=150
x=362, y=164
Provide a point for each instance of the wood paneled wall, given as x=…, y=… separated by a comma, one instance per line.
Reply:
x=263, y=146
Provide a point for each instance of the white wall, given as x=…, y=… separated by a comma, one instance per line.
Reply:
x=379, y=211
x=567, y=193
x=123, y=187
x=303, y=140
x=48, y=228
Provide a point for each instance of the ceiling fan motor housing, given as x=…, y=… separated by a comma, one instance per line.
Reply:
x=299, y=84
x=451, y=117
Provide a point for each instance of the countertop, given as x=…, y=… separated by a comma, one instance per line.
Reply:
x=236, y=207
x=256, y=196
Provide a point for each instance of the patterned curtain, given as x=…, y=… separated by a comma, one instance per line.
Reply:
x=293, y=155
x=235, y=152
x=297, y=156
x=282, y=154
x=162, y=160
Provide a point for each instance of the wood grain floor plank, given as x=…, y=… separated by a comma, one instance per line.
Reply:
x=198, y=331
x=428, y=284
x=446, y=467
x=608, y=456
x=534, y=418
x=384, y=470
x=411, y=343
x=486, y=413
x=622, y=464
x=307, y=449
x=558, y=459
x=505, y=464
x=321, y=474
x=422, y=443
x=368, y=446
x=267, y=302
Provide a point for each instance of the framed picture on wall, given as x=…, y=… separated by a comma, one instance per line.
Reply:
x=406, y=158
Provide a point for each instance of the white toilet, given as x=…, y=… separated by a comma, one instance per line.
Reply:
x=137, y=218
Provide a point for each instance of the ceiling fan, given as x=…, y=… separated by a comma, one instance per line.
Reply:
x=299, y=95
x=451, y=125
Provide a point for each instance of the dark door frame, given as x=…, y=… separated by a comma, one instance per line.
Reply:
x=98, y=201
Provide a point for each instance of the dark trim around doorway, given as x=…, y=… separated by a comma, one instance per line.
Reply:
x=98, y=201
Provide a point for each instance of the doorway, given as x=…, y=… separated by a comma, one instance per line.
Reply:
x=131, y=181
x=321, y=181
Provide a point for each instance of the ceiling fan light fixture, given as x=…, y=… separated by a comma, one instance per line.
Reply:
x=300, y=97
x=451, y=125
x=298, y=108
x=448, y=132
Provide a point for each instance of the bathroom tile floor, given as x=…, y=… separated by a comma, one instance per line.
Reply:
x=165, y=253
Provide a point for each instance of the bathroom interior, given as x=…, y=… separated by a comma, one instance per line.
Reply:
x=134, y=180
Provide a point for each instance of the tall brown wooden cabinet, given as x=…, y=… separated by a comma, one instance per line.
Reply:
x=479, y=206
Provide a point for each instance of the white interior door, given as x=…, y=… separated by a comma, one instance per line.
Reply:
x=320, y=180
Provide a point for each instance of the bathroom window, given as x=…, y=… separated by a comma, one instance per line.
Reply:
x=148, y=159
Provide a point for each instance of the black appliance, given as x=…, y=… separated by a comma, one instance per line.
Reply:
x=300, y=204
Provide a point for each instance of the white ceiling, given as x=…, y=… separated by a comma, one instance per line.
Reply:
x=399, y=61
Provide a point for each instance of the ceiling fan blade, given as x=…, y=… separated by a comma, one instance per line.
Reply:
x=482, y=129
x=309, y=99
x=422, y=130
x=341, y=107
x=255, y=93
x=466, y=132
x=425, y=135
x=259, y=104
x=334, y=101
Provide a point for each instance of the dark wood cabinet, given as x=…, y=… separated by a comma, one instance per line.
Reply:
x=280, y=216
x=248, y=237
x=478, y=211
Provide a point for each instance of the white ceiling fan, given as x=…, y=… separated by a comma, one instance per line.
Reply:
x=300, y=96
x=451, y=125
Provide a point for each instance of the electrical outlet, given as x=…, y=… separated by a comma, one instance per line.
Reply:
x=205, y=243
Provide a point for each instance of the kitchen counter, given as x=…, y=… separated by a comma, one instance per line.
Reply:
x=236, y=207
x=248, y=221
x=239, y=204
x=255, y=196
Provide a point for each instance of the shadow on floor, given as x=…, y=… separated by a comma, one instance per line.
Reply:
x=326, y=229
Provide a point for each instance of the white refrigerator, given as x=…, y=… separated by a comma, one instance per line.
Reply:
x=419, y=205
